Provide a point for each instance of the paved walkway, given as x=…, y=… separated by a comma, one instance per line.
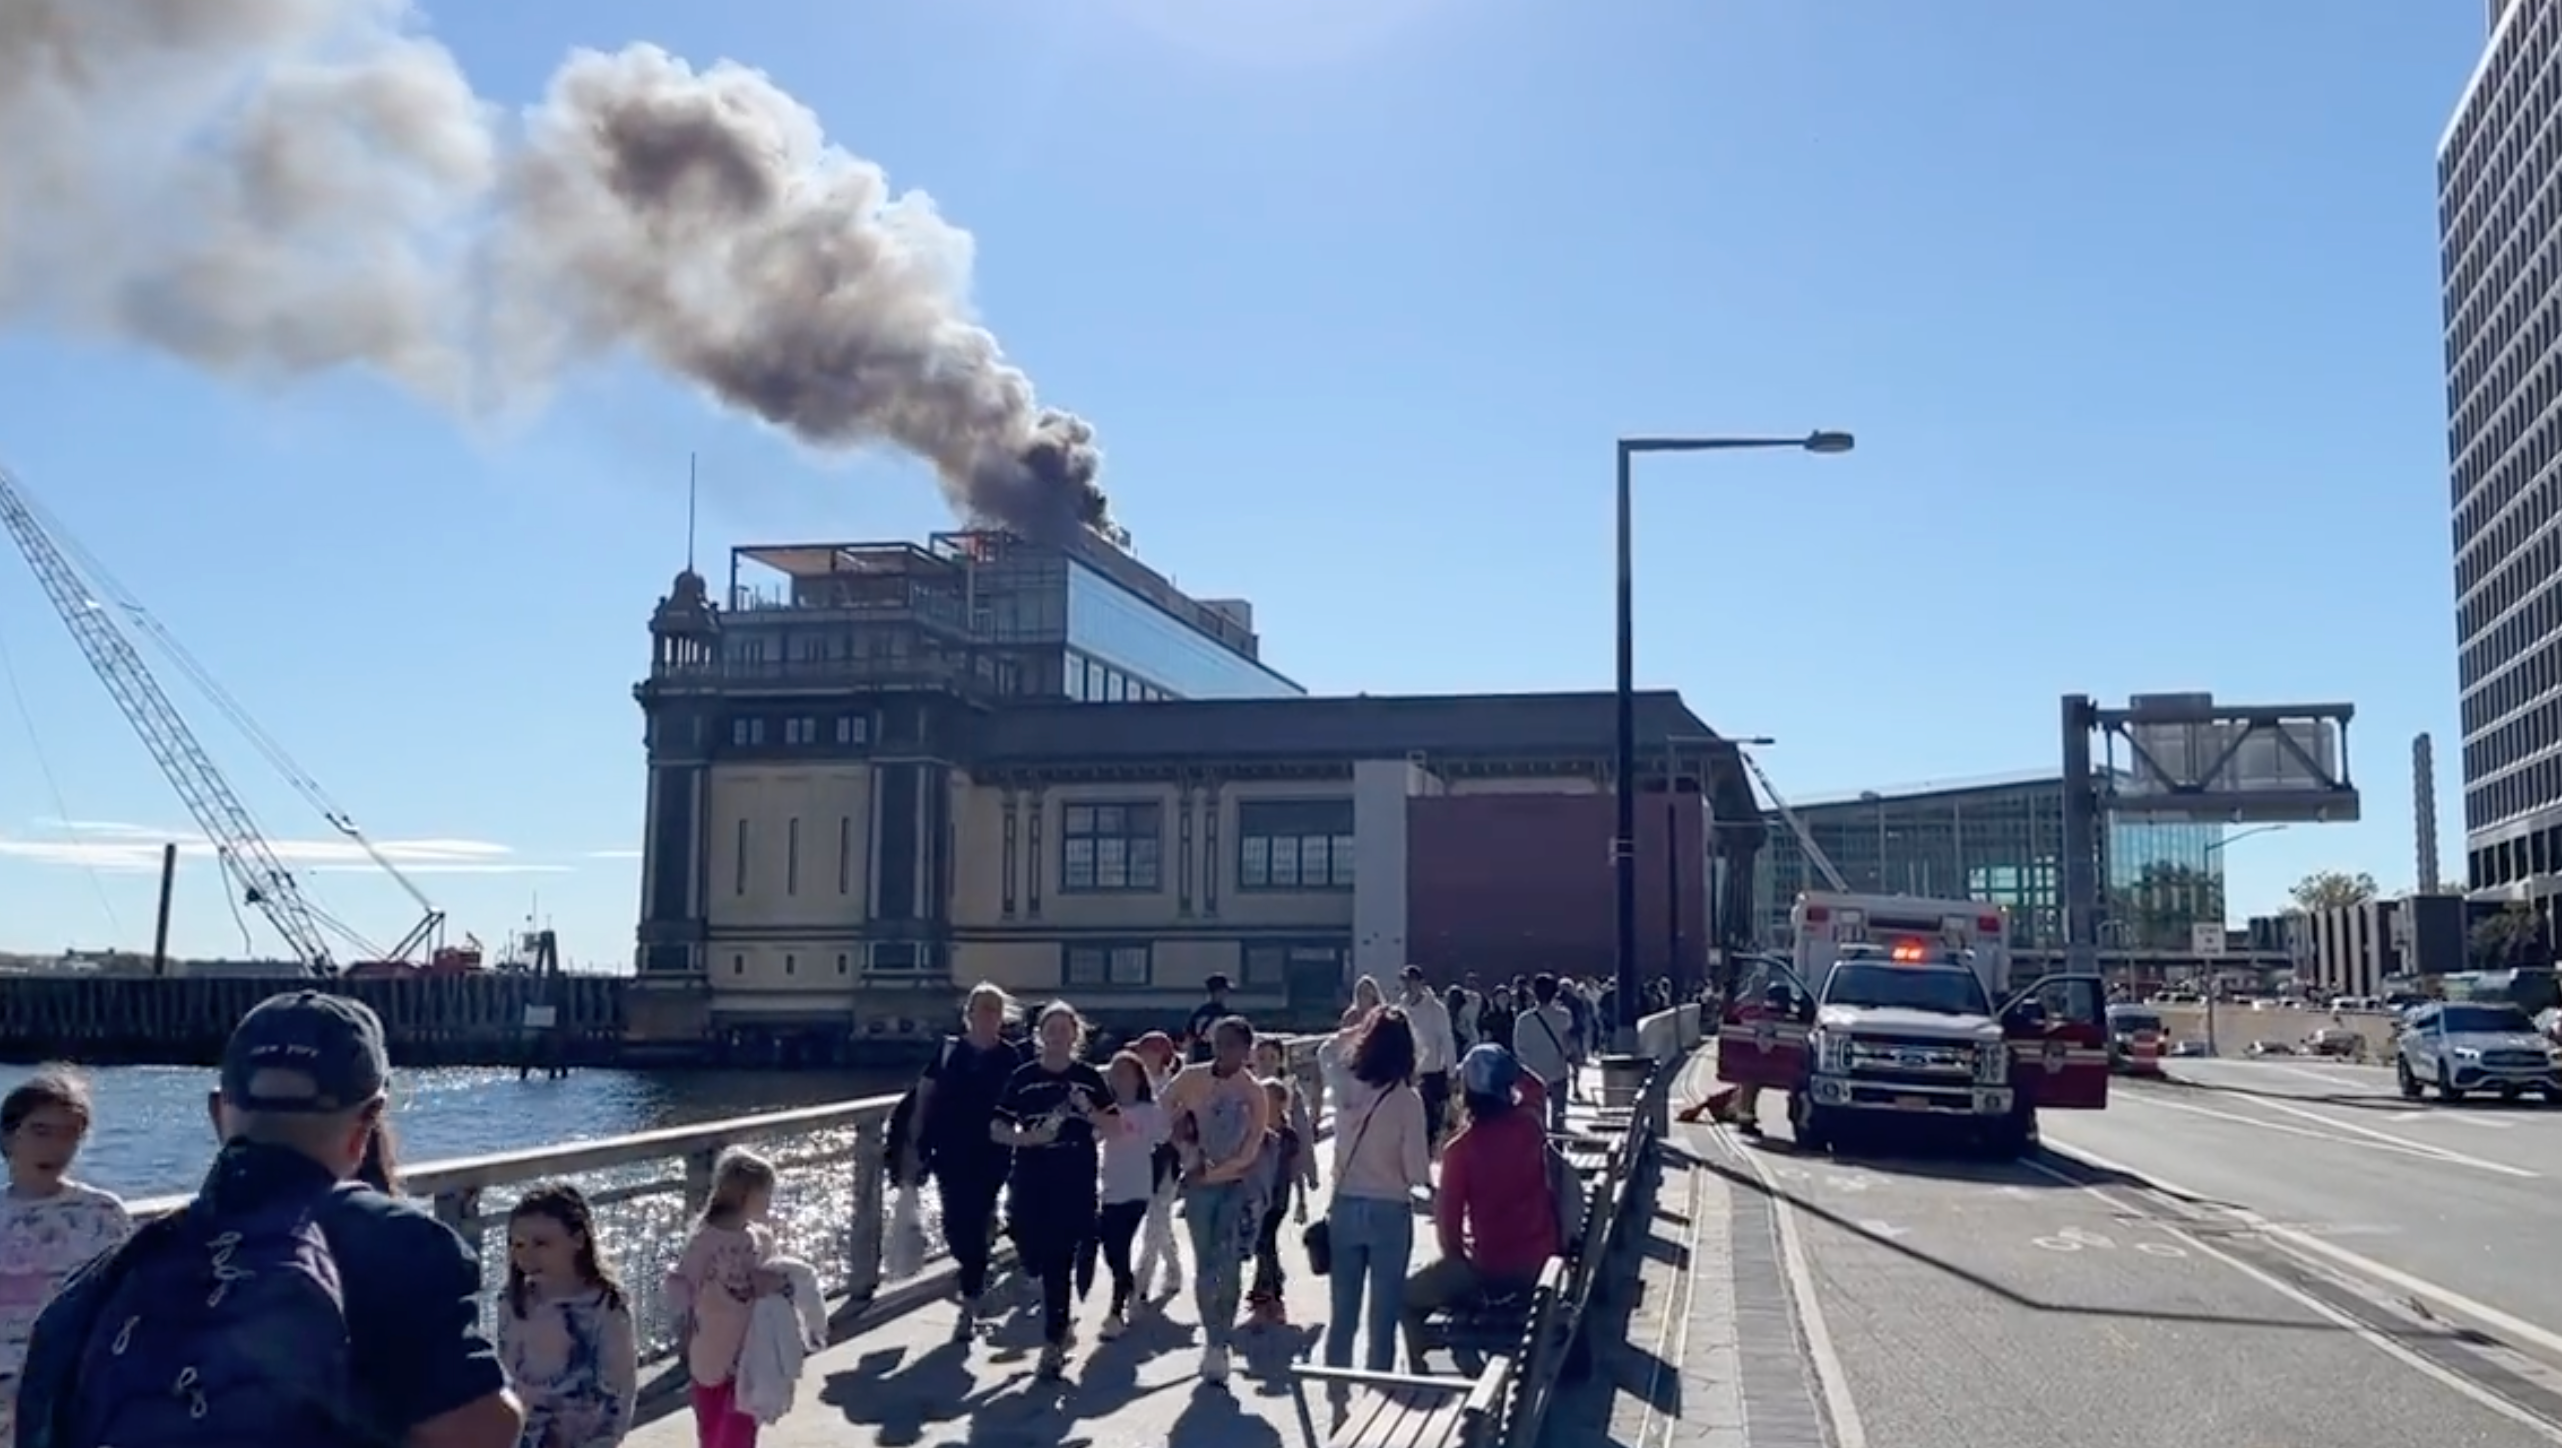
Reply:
x=902, y=1383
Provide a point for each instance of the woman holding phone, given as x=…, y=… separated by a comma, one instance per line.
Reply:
x=1050, y=1115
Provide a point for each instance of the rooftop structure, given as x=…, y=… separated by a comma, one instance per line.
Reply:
x=986, y=612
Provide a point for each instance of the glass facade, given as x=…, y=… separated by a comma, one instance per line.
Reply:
x=2499, y=219
x=1120, y=646
x=2002, y=844
x=2165, y=877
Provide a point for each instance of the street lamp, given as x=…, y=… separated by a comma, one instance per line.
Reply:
x=1624, y=846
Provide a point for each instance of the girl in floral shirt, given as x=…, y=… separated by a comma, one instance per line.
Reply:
x=565, y=1327
x=49, y=1224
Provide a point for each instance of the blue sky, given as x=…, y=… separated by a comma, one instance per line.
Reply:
x=2133, y=307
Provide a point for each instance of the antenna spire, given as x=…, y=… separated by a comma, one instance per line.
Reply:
x=692, y=482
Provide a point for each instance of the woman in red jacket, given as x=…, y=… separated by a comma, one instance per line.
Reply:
x=1497, y=1221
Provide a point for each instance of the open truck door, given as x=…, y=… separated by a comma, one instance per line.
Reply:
x=1761, y=1039
x=2058, y=1033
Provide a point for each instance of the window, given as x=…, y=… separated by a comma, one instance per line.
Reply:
x=738, y=965
x=1107, y=966
x=1111, y=847
x=791, y=964
x=747, y=731
x=897, y=957
x=792, y=857
x=742, y=858
x=1269, y=967
x=844, y=854
x=1294, y=844
x=843, y=963
x=852, y=729
x=800, y=731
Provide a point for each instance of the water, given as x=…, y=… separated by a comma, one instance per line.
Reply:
x=153, y=1138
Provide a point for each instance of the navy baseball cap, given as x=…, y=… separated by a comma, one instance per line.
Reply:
x=1489, y=1070
x=308, y=1051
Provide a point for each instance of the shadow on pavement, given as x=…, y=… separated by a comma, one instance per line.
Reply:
x=1743, y=1177
x=1585, y=1408
x=1214, y=1419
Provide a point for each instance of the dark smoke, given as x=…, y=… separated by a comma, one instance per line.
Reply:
x=274, y=188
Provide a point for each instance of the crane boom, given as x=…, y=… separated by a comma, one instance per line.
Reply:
x=1805, y=838
x=245, y=854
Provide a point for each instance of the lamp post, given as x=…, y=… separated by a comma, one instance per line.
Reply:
x=2214, y=977
x=1624, y=777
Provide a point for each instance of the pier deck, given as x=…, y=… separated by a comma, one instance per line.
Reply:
x=902, y=1383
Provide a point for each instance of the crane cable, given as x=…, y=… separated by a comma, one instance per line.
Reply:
x=53, y=783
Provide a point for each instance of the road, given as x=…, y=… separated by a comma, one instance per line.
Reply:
x=1971, y=1304
x=2467, y=1197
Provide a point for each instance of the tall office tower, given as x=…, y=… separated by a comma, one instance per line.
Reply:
x=2424, y=815
x=2500, y=262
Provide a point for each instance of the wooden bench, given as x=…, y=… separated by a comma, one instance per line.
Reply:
x=1507, y=1324
x=1412, y=1410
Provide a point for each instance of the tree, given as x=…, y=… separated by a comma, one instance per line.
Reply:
x=2330, y=889
x=2512, y=937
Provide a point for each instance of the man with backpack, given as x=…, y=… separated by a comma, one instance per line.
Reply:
x=287, y=1305
x=1199, y=1027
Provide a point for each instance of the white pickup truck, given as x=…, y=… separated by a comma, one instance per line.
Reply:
x=1909, y=1036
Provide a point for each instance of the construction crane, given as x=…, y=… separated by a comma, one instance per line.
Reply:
x=247, y=859
x=1805, y=838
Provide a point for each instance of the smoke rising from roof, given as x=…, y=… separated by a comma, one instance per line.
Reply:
x=274, y=188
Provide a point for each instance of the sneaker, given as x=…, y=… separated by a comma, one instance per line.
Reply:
x=966, y=1326
x=1114, y=1324
x=1214, y=1365
x=1053, y=1362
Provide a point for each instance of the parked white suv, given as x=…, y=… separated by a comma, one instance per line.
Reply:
x=2466, y=1046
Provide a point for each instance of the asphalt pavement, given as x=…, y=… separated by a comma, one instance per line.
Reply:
x=1942, y=1299
x=2466, y=1198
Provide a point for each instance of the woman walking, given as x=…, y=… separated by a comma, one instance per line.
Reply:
x=1382, y=1157
x=1052, y=1115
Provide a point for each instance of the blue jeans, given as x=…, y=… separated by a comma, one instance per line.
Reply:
x=1373, y=1240
x=1218, y=1268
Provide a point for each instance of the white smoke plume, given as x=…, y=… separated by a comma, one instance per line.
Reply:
x=273, y=188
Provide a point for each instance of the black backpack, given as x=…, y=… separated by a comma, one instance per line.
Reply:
x=211, y=1328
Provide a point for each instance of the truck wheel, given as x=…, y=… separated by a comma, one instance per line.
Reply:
x=2009, y=1138
x=1810, y=1124
x=2402, y=1077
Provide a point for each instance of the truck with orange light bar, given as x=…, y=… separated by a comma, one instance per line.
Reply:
x=1898, y=1011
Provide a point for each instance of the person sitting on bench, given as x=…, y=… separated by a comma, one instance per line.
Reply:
x=1497, y=1221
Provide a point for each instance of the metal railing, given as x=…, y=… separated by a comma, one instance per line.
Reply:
x=831, y=1205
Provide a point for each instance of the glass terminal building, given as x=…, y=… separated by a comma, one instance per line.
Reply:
x=999, y=614
x=2000, y=842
